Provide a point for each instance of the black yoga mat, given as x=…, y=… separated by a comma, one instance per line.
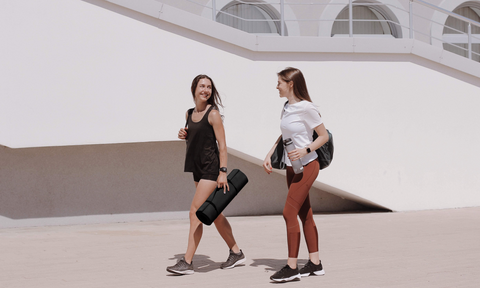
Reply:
x=217, y=201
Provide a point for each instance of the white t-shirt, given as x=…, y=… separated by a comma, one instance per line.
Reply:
x=298, y=122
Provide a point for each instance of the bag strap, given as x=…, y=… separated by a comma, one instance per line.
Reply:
x=281, y=116
x=211, y=202
x=283, y=110
x=190, y=111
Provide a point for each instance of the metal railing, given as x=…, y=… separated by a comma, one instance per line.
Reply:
x=470, y=36
x=414, y=26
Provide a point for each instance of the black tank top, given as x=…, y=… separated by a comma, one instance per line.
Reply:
x=202, y=150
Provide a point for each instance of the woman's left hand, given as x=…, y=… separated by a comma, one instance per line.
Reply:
x=222, y=182
x=296, y=154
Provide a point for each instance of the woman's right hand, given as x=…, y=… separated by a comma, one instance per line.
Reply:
x=267, y=165
x=182, y=134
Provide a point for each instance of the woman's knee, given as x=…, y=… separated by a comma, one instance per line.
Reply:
x=220, y=219
x=289, y=214
x=193, y=216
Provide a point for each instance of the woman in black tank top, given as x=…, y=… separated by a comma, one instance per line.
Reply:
x=202, y=156
x=206, y=156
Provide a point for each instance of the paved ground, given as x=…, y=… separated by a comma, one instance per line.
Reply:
x=437, y=248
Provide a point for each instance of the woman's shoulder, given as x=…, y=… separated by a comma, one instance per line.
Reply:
x=212, y=109
x=309, y=108
x=305, y=105
x=214, y=113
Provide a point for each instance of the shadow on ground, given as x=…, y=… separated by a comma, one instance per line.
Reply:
x=201, y=263
x=273, y=265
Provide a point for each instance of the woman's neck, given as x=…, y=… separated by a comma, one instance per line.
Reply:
x=292, y=99
x=200, y=107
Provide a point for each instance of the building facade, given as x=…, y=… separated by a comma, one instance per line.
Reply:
x=94, y=92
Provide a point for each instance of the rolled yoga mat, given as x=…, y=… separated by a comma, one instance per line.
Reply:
x=217, y=201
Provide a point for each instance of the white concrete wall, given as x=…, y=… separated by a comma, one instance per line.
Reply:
x=74, y=72
x=126, y=182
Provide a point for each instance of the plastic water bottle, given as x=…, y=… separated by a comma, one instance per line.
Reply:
x=297, y=164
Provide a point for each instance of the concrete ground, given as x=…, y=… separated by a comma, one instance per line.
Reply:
x=436, y=248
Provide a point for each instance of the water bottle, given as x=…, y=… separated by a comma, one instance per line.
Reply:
x=296, y=165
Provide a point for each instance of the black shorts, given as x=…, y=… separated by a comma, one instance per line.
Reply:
x=197, y=177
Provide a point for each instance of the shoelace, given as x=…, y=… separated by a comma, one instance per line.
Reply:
x=231, y=256
x=182, y=263
x=309, y=264
x=285, y=268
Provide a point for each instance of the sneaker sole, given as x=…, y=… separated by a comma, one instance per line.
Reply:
x=316, y=273
x=186, y=272
x=235, y=264
x=291, y=278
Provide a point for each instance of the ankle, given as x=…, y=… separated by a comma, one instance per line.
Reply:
x=292, y=262
x=314, y=258
x=235, y=249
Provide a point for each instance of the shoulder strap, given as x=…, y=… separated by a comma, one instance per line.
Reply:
x=210, y=109
x=283, y=110
x=190, y=111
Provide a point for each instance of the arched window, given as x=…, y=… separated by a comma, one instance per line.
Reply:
x=458, y=39
x=367, y=12
x=234, y=13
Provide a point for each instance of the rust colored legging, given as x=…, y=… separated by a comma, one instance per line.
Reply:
x=298, y=203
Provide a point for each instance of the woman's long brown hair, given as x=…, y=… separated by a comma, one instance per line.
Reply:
x=300, y=90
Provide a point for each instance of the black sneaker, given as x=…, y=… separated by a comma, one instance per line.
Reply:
x=182, y=267
x=233, y=260
x=286, y=274
x=311, y=269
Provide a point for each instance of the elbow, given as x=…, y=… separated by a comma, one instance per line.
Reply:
x=222, y=148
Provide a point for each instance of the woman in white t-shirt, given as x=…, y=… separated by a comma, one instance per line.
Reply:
x=299, y=119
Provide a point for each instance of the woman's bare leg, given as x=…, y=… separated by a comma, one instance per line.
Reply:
x=225, y=230
x=204, y=189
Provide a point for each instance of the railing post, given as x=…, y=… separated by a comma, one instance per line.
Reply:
x=282, y=17
x=350, y=18
x=411, y=19
x=214, y=11
x=470, y=41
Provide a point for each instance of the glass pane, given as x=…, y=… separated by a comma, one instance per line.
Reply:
x=453, y=25
x=246, y=11
x=362, y=27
